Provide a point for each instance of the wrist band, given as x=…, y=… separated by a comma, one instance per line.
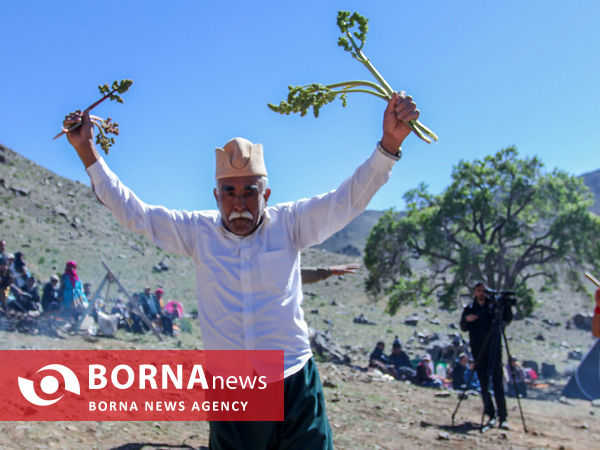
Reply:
x=395, y=157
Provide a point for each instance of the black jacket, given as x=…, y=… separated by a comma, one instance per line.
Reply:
x=378, y=355
x=479, y=328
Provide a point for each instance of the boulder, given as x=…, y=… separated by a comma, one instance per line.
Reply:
x=582, y=321
x=327, y=348
x=413, y=320
x=548, y=370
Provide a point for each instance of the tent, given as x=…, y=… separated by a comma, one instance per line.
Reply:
x=585, y=382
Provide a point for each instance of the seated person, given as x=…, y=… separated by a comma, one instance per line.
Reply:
x=474, y=384
x=379, y=360
x=520, y=378
x=425, y=376
x=124, y=314
x=401, y=361
x=19, y=270
x=458, y=372
x=50, y=295
x=30, y=295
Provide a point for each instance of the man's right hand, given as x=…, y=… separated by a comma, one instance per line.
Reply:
x=471, y=317
x=82, y=137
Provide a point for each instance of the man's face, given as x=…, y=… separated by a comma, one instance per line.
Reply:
x=2, y=246
x=479, y=293
x=463, y=361
x=242, y=201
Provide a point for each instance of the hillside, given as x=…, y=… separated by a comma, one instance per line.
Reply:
x=53, y=219
x=592, y=181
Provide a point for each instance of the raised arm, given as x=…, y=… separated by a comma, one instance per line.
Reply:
x=174, y=231
x=318, y=218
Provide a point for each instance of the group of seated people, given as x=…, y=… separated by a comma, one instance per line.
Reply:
x=463, y=373
x=160, y=316
x=19, y=289
x=67, y=297
x=399, y=365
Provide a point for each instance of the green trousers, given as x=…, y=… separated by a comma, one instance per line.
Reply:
x=305, y=424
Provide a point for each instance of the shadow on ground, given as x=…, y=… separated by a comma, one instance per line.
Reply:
x=148, y=445
x=461, y=428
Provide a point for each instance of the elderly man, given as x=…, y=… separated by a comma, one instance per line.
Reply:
x=247, y=259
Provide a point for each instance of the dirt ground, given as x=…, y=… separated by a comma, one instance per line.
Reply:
x=366, y=410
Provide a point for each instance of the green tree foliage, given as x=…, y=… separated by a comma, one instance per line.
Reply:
x=501, y=220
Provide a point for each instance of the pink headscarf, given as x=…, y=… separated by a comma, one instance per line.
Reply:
x=70, y=270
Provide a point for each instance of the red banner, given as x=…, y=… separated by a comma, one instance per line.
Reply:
x=141, y=385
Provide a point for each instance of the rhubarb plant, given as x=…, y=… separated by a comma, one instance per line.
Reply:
x=105, y=126
x=300, y=99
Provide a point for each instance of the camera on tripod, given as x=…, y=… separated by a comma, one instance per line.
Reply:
x=500, y=299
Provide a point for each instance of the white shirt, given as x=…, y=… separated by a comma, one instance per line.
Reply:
x=249, y=289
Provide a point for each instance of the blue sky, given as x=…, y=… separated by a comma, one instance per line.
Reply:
x=485, y=74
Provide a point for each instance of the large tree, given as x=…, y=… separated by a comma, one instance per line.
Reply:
x=502, y=221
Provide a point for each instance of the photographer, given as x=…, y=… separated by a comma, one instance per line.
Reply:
x=478, y=319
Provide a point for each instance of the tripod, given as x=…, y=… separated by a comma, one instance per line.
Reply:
x=494, y=337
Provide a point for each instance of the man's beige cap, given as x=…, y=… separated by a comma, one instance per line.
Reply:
x=240, y=158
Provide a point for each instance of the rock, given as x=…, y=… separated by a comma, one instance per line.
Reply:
x=540, y=337
x=363, y=320
x=577, y=355
x=327, y=348
x=566, y=401
x=584, y=426
x=565, y=344
x=350, y=250
x=583, y=321
x=453, y=326
x=411, y=322
x=443, y=436
x=160, y=267
x=434, y=321
x=328, y=383
x=314, y=311
x=548, y=370
x=60, y=211
x=596, y=403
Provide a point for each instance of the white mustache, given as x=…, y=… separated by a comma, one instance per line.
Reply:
x=240, y=215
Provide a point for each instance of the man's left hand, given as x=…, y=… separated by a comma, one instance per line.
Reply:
x=400, y=109
x=341, y=270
